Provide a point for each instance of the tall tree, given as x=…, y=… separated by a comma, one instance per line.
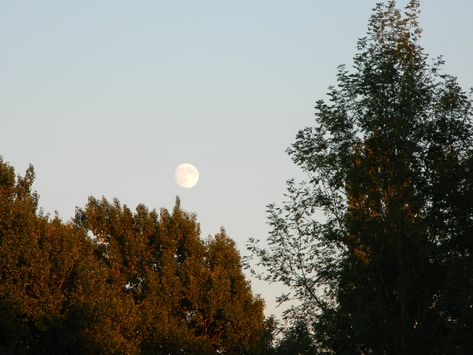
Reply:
x=388, y=268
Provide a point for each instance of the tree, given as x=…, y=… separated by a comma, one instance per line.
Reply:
x=296, y=340
x=190, y=295
x=53, y=299
x=115, y=280
x=233, y=316
x=388, y=268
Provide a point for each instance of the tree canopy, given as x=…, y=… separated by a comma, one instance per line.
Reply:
x=113, y=280
x=377, y=244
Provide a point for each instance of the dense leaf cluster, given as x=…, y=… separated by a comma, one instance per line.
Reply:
x=116, y=281
x=388, y=268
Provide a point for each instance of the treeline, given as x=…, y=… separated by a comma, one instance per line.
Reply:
x=117, y=281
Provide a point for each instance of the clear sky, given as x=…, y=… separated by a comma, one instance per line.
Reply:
x=108, y=97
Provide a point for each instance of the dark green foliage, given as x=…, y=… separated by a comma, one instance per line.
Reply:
x=115, y=281
x=297, y=340
x=388, y=269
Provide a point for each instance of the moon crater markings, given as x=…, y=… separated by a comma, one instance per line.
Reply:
x=186, y=175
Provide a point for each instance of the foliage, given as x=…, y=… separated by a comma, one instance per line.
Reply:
x=296, y=339
x=117, y=281
x=388, y=268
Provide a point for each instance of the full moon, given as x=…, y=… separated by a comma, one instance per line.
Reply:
x=186, y=175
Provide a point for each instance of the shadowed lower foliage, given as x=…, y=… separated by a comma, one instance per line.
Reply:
x=116, y=281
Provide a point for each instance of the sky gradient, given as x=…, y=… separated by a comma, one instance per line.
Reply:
x=108, y=97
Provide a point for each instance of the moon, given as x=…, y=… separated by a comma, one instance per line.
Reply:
x=186, y=175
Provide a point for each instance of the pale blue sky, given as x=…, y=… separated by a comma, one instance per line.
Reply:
x=107, y=97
